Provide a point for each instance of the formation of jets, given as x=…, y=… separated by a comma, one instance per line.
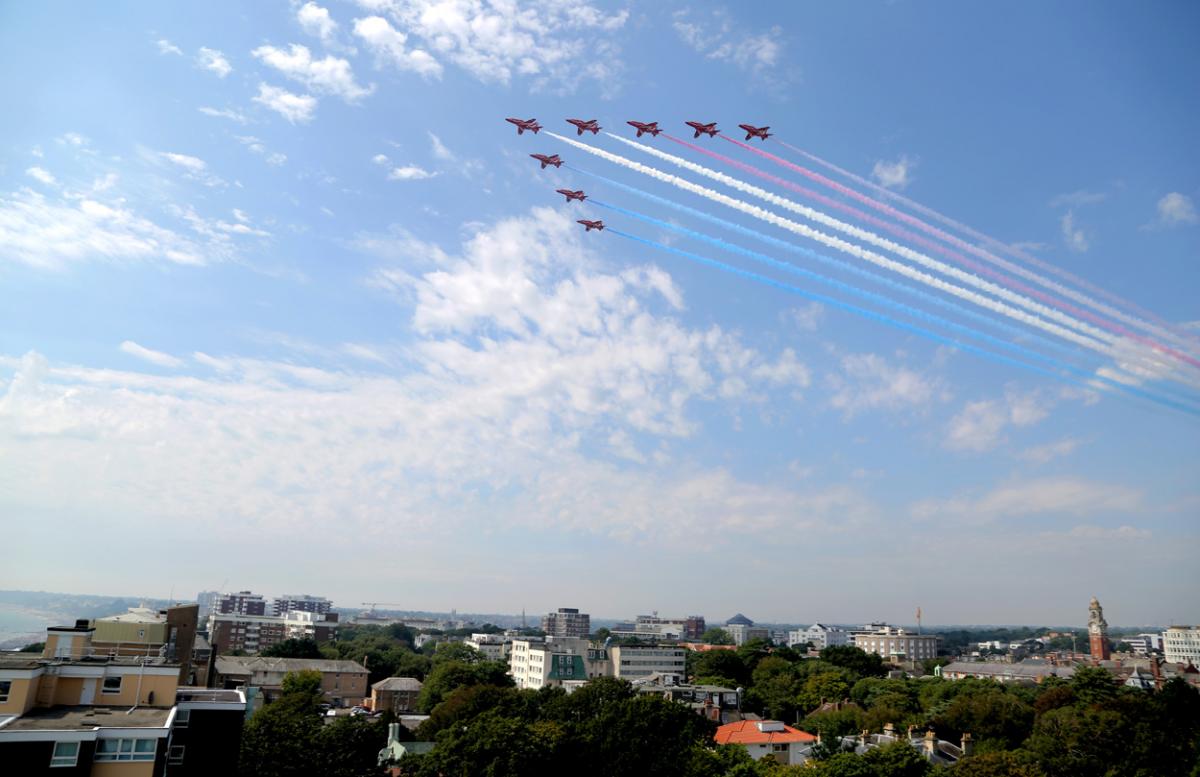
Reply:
x=581, y=125
x=525, y=124
x=642, y=127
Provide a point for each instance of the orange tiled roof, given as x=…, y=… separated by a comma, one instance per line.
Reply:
x=745, y=732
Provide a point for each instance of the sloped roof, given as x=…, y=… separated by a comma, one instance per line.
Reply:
x=250, y=664
x=398, y=684
x=739, y=619
x=748, y=732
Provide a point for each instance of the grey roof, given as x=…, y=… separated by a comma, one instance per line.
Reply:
x=248, y=664
x=87, y=718
x=739, y=619
x=398, y=684
x=1023, y=670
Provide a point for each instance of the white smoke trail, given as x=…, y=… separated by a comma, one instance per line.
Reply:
x=841, y=245
x=876, y=240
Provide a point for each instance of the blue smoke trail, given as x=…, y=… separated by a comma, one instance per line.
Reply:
x=1086, y=382
x=840, y=265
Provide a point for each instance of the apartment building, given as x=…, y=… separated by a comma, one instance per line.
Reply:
x=228, y=632
x=143, y=631
x=398, y=694
x=301, y=603
x=495, y=647
x=897, y=644
x=343, y=683
x=536, y=663
x=72, y=710
x=820, y=635
x=567, y=622
x=1181, y=645
x=242, y=603
x=633, y=662
x=654, y=628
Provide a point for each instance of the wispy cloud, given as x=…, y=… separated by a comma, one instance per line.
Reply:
x=402, y=172
x=149, y=355
x=1043, y=454
x=1072, y=234
x=42, y=175
x=223, y=113
x=167, y=47
x=894, y=175
x=1050, y=496
x=213, y=61
x=870, y=382
x=389, y=47
x=1077, y=199
x=980, y=425
x=1175, y=209
x=193, y=168
x=329, y=75
x=296, y=108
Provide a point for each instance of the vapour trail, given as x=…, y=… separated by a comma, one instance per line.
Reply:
x=850, y=248
x=1163, y=326
x=1088, y=381
x=862, y=234
x=839, y=244
x=863, y=272
x=964, y=246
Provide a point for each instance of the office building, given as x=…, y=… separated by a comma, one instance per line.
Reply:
x=896, y=644
x=1181, y=645
x=820, y=635
x=241, y=603
x=567, y=622
x=632, y=662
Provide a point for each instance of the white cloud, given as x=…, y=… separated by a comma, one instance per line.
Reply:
x=527, y=355
x=104, y=184
x=1176, y=208
x=149, y=355
x=979, y=426
x=807, y=317
x=276, y=159
x=42, y=175
x=869, y=382
x=223, y=113
x=1073, y=236
x=1043, y=496
x=1090, y=532
x=894, y=175
x=194, y=168
x=73, y=139
x=719, y=38
x=256, y=146
x=388, y=46
x=558, y=44
x=296, y=108
x=409, y=173
x=213, y=61
x=1043, y=454
x=167, y=47
x=328, y=76
x=381, y=159
x=439, y=149
x=49, y=234
x=316, y=21
x=1078, y=199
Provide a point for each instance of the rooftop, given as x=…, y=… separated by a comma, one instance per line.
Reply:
x=87, y=718
x=249, y=664
x=398, y=684
x=137, y=615
x=760, y=732
x=9, y=660
x=208, y=695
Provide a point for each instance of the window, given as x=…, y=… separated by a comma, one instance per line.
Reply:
x=111, y=685
x=182, y=717
x=125, y=749
x=65, y=754
x=175, y=754
x=5, y=689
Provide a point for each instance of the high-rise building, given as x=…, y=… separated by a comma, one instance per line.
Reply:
x=567, y=622
x=1097, y=631
x=208, y=602
x=1181, y=644
x=242, y=603
x=303, y=602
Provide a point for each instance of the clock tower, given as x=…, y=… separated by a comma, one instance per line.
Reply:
x=1097, y=631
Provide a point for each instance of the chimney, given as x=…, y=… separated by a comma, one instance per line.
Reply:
x=968, y=747
x=930, y=743
x=889, y=729
x=1156, y=670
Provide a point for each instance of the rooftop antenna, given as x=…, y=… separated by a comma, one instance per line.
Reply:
x=522, y=617
x=918, y=621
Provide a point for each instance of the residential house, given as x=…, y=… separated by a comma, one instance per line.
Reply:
x=342, y=682
x=398, y=694
x=767, y=739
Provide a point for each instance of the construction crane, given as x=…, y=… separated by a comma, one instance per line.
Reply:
x=373, y=605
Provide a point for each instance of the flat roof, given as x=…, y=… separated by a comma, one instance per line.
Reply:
x=207, y=694
x=87, y=718
x=34, y=660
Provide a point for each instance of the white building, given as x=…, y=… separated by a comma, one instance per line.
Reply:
x=494, y=647
x=631, y=662
x=742, y=633
x=896, y=643
x=1181, y=644
x=535, y=663
x=820, y=635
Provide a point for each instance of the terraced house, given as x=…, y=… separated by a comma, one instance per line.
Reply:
x=76, y=710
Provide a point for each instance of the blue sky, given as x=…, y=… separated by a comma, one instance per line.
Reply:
x=287, y=306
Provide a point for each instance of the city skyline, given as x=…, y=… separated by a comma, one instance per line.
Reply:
x=286, y=303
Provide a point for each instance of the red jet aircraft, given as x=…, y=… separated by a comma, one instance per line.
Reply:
x=570, y=195
x=581, y=125
x=755, y=132
x=651, y=127
x=547, y=160
x=709, y=129
x=588, y=226
x=525, y=124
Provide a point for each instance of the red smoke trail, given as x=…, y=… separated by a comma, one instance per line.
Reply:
x=1010, y=250
x=930, y=245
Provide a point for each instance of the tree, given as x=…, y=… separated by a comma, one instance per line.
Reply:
x=450, y=675
x=456, y=651
x=898, y=759
x=855, y=659
x=994, y=719
x=280, y=740
x=1000, y=764
x=1093, y=685
x=716, y=636
x=601, y=634
x=722, y=663
x=294, y=648
x=302, y=685
x=33, y=647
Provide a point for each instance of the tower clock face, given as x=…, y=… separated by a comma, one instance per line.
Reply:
x=1094, y=628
